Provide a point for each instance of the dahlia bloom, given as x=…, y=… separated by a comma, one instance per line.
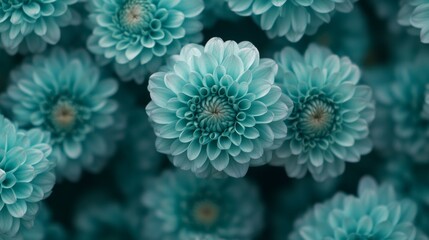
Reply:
x=329, y=122
x=402, y=119
x=180, y=206
x=138, y=34
x=375, y=213
x=65, y=94
x=290, y=18
x=215, y=109
x=415, y=14
x=30, y=25
x=25, y=176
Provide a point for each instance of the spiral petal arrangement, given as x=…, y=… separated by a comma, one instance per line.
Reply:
x=329, y=122
x=376, y=213
x=215, y=109
x=65, y=94
x=190, y=208
x=137, y=34
x=25, y=176
x=32, y=24
x=290, y=18
x=415, y=14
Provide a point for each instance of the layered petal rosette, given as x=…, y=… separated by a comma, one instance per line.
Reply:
x=30, y=25
x=215, y=109
x=375, y=213
x=64, y=93
x=137, y=34
x=415, y=15
x=180, y=206
x=329, y=123
x=26, y=176
x=290, y=18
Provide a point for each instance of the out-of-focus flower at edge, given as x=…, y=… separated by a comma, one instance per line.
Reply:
x=137, y=35
x=290, y=18
x=410, y=180
x=99, y=216
x=138, y=159
x=28, y=26
x=215, y=10
x=329, y=123
x=292, y=201
x=401, y=125
x=66, y=94
x=215, y=109
x=375, y=213
x=182, y=207
x=415, y=15
x=25, y=176
x=44, y=228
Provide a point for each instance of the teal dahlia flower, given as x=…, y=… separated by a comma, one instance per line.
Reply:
x=29, y=25
x=402, y=122
x=25, y=176
x=215, y=109
x=138, y=34
x=182, y=207
x=290, y=18
x=329, y=122
x=65, y=94
x=415, y=14
x=375, y=213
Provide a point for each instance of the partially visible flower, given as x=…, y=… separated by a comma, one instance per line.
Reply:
x=329, y=123
x=138, y=34
x=25, y=176
x=215, y=109
x=182, y=207
x=415, y=14
x=99, y=216
x=64, y=93
x=401, y=123
x=44, y=228
x=375, y=213
x=32, y=24
x=139, y=159
x=290, y=18
x=215, y=10
x=292, y=201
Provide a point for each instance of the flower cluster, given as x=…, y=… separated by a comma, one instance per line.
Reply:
x=65, y=94
x=331, y=114
x=415, y=14
x=137, y=34
x=215, y=108
x=25, y=176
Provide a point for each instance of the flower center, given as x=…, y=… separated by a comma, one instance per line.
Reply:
x=215, y=114
x=206, y=213
x=135, y=15
x=317, y=118
x=64, y=116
